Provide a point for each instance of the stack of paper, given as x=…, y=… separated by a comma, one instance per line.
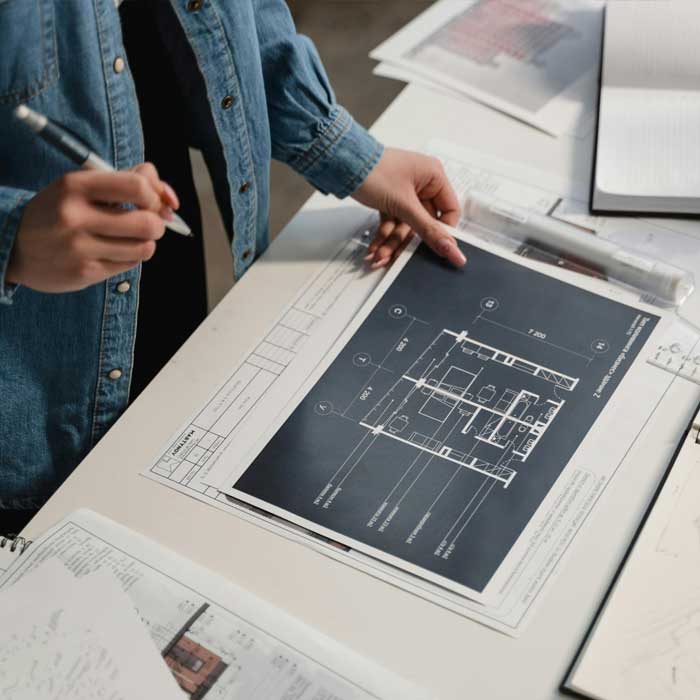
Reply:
x=206, y=456
x=535, y=60
x=81, y=638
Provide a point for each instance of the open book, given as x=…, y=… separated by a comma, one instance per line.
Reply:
x=648, y=150
x=217, y=639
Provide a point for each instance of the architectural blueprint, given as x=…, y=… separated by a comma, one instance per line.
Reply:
x=436, y=433
x=459, y=415
x=339, y=289
x=341, y=286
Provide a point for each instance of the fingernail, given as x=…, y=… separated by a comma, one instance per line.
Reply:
x=368, y=257
x=175, y=202
x=449, y=249
x=168, y=214
x=379, y=263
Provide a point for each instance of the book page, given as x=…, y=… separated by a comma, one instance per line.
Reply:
x=218, y=640
x=648, y=140
x=654, y=154
x=76, y=639
x=652, y=45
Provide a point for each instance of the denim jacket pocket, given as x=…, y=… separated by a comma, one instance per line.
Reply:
x=28, y=40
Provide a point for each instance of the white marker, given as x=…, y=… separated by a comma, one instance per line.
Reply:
x=668, y=283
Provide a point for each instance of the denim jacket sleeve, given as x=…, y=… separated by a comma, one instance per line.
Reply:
x=310, y=132
x=12, y=203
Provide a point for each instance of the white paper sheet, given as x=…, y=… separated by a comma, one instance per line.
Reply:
x=63, y=638
x=536, y=60
x=217, y=638
x=580, y=128
x=648, y=140
x=646, y=644
x=9, y=549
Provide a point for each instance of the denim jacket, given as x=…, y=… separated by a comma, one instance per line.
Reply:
x=65, y=359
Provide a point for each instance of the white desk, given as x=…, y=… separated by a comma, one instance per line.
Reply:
x=451, y=655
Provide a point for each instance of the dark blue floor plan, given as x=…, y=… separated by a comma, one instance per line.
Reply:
x=443, y=423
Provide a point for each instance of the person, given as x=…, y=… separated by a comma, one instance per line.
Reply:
x=94, y=299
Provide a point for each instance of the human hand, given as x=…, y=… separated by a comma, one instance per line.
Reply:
x=72, y=236
x=412, y=193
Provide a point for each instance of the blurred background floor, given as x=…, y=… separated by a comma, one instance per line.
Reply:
x=344, y=31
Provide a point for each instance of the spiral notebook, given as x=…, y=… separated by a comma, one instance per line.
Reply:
x=218, y=640
x=11, y=546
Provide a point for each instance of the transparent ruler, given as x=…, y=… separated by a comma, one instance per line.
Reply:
x=678, y=351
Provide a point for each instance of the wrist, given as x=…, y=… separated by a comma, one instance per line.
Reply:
x=13, y=203
x=348, y=156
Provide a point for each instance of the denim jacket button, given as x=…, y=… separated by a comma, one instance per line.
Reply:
x=227, y=102
x=123, y=287
x=246, y=254
x=194, y=5
x=118, y=64
x=115, y=374
x=244, y=187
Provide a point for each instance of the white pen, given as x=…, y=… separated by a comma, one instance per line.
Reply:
x=666, y=282
x=78, y=152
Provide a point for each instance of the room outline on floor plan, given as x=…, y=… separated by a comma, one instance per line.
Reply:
x=476, y=424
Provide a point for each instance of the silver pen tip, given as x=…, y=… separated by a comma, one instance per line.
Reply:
x=32, y=119
x=179, y=226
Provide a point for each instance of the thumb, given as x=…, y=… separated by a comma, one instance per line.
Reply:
x=433, y=233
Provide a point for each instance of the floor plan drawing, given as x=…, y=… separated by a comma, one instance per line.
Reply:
x=452, y=406
x=190, y=471
x=444, y=421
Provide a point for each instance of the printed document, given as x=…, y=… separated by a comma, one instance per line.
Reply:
x=218, y=640
x=438, y=435
x=63, y=638
x=536, y=60
x=200, y=471
x=580, y=127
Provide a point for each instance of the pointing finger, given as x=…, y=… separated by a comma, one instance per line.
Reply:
x=433, y=233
